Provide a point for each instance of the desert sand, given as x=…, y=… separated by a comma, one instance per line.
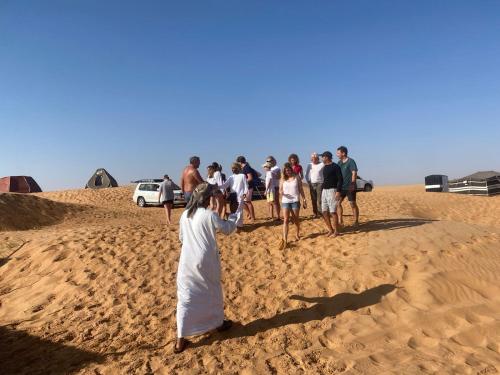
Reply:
x=87, y=285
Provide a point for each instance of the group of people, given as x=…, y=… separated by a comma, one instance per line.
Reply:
x=200, y=306
x=329, y=184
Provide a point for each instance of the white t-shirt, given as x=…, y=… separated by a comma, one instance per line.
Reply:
x=238, y=184
x=275, y=173
x=216, y=179
x=314, y=173
x=290, y=190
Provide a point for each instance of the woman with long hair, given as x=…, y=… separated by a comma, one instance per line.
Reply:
x=291, y=190
x=294, y=161
x=200, y=303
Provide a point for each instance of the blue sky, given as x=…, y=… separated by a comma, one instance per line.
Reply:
x=410, y=87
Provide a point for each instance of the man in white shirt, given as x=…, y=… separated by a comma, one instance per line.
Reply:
x=314, y=177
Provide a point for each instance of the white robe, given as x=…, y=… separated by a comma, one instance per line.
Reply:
x=200, y=306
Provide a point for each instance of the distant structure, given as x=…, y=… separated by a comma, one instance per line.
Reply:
x=19, y=184
x=436, y=183
x=479, y=183
x=101, y=179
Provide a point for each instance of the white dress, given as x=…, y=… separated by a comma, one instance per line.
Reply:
x=200, y=305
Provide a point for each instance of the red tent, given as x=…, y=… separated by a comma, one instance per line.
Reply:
x=19, y=184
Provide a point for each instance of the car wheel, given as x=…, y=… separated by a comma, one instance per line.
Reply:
x=141, y=202
x=368, y=187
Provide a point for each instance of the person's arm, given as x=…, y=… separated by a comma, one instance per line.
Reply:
x=160, y=190
x=302, y=194
x=281, y=188
x=224, y=226
x=198, y=177
x=308, y=173
x=227, y=183
x=354, y=175
x=340, y=181
x=301, y=173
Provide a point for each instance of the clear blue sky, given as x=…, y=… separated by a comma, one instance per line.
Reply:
x=410, y=87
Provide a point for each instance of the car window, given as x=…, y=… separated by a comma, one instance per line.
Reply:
x=155, y=187
x=142, y=187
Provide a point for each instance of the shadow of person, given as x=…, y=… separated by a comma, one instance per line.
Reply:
x=386, y=224
x=21, y=352
x=323, y=307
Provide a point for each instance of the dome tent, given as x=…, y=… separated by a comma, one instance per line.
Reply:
x=19, y=184
x=101, y=179
x=479, y=183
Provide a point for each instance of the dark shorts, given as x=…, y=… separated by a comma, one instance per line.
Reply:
x=170, y=201
x=351, y=195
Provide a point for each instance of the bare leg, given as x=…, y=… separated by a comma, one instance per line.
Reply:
x=355, y=212
x=168, y=211
x=220, y=204
x=270, y=210
x=326, y=217
x=251, y=210
x=340, y=211
x=276, y=203
x=286, y=219
x=335, y=225
x=296, y=219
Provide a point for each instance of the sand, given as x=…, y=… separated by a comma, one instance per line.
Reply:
x=87, y=285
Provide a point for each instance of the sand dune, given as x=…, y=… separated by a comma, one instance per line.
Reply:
x=21, y=211
x=414, y=289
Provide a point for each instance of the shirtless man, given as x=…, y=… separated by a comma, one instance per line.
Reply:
x=191, y=177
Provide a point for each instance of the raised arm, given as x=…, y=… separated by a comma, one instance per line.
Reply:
x=228, y=183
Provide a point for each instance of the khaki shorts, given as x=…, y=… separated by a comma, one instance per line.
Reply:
x=328, y=201
x=270, y=197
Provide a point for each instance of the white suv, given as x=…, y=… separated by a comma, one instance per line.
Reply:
x=147, y=193
x=363, y=185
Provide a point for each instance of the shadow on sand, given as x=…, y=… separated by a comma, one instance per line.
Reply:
x=385, y=224
x=21, y=353
x=324, y=307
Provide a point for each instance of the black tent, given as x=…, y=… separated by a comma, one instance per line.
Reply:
x=436, y=183
x=479, y=183
x=101, y=179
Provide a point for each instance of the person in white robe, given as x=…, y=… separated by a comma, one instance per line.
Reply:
x=238, y=184
x=200, y=306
